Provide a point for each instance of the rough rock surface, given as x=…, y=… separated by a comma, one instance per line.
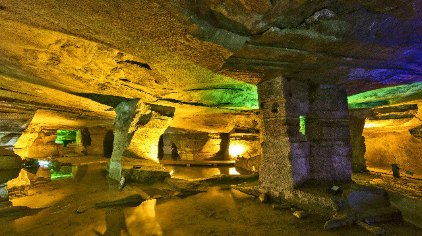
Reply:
x=137, y=130
x=146, y=174
x=305, y=134
x=19, y=186
x=391, y=138
x=171, y=51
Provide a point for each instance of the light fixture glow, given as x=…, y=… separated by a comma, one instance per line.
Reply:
x=233, y=171
x=43, y=163
x=236, y=150
x=302, y=124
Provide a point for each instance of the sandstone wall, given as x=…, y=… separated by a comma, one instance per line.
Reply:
x=393, y=136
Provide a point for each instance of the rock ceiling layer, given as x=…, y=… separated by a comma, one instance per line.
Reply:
x=58, y=54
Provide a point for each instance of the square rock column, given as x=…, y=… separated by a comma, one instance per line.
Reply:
x=285, y=164
x=328, y=125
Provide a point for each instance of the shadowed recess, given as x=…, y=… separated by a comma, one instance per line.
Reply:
x=108, y=100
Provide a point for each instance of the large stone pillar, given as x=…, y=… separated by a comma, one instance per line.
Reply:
x=137, y=130
x=328, y=125
x=285, y=149
x=305, y=134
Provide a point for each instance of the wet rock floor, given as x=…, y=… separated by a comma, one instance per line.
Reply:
x=67, y=207
x=411, y=188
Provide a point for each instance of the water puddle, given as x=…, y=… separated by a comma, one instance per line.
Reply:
x=17, y=182
x=199, y=172
x=53, y=170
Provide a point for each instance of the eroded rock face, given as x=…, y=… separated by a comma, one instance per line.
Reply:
x=416, y=132
x=13, y=121
x=39, y=138
x=240, y=144
x=155, y=49
x=357, y=140
x=19, y=186
x=181, y=144
x=323, y=42
x=391, y=137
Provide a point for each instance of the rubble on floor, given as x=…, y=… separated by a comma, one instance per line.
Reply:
x=145, y=174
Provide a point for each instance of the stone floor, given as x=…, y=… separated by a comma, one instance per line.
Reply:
x=405, y=193
x=411, y=188
x=66, y=207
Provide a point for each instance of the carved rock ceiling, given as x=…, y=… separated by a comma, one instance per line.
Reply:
x=196, y=55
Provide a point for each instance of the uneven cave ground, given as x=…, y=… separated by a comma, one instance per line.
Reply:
x=192, y=202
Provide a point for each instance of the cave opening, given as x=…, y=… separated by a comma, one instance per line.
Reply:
x=66, y=137
x=108, y=144
x=160, y=153
x=174, y=152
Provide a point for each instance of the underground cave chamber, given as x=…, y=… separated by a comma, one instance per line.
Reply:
x=210, y=117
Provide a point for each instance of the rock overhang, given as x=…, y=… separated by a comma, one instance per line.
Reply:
x=195, y=54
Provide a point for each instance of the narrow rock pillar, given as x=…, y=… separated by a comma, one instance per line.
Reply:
x=357, y=140
x=125, y=113
x=329, y=134
x=137, y=130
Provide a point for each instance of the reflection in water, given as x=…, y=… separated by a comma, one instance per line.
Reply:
x=6, y=175
x=42, y=174
x=233, y=171
x=142, y=221
x=197, y=172
x=194, y=172
x=53, y=170
x=115, y=222
x=78, y=172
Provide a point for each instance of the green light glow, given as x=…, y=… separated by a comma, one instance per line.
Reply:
x=235, y=95
x=302, y=124
x=386, y=96
x=69, y=135
x=60, y=172
x=56, y=176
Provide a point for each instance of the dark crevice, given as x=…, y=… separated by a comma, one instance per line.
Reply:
x=17, y=92
x=140, y=64
x=182, y=102
x=215, y=88
x=108, y=100
x=220, y=105
x=416, y=132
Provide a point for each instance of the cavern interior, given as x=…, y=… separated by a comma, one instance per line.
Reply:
x=211, y=117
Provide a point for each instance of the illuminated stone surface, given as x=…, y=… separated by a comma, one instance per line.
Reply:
x=322, y=154
x=137, y=129
x=71, y=63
